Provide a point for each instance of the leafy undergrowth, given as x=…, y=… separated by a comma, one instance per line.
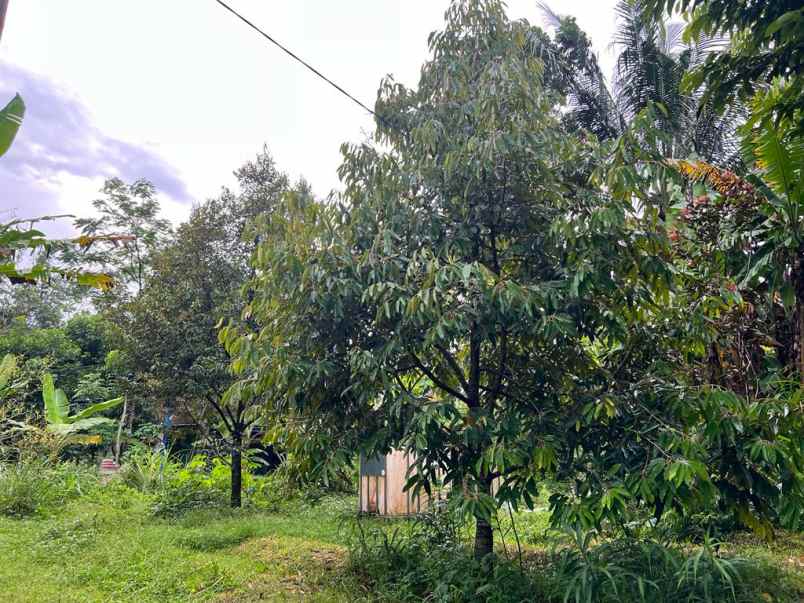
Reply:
x=108, y=546
x=431, y=561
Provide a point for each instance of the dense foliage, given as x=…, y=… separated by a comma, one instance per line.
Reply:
x=530, y=277
x=498, y=296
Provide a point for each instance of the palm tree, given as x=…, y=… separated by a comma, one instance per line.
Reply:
x=652, y=60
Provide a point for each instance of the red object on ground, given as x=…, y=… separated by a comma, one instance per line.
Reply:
x=109, y=465
x=108, y=468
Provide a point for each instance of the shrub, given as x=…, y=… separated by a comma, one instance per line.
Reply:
x=190, y=487
x=429, y=560
x=175, y=488
x=144, y=469
x=176, y=496
x=22, y=490
x=36, y=487
x=626, y=569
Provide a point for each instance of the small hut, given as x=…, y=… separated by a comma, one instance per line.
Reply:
x=382, y=483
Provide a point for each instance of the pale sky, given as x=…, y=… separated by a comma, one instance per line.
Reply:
x=182, y=93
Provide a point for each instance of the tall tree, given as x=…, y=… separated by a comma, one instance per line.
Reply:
x=449, y=265
x=475, y=300
x=652, y=62
x=767, y=44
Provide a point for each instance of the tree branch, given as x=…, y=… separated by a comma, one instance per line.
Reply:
x=497, y=387
x=223, y=412
x=436, y=381
x=454, y=366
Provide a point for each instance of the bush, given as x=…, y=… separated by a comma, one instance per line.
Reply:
x=22, y=490
x=35, y=487
x=180, y=489
x=204, y=482
x=627, y=569
x=145, y=470
x=429, y=560
x=177, y=496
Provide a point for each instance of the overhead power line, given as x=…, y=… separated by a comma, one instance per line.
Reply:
x=294, y=56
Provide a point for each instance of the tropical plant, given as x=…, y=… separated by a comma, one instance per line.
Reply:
x=10, y=385
x=651, y=63
x=195, y=282
x=766, y=45
x=17, y=239
x=758, y=219
x=448, y=304
x=62, y=423
x=10, y=120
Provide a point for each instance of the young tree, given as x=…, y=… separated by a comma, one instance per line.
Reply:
x=195, y=282
x=474, y=300
x=128, y=216
x=469, y=258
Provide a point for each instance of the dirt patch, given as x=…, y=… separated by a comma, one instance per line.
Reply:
x=292, y=569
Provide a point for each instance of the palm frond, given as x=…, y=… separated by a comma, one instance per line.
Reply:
x=725, y=182
x=671, y=38
x=551, y=19
x=780, y=161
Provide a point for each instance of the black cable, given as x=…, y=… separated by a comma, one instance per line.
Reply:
x=310, y=67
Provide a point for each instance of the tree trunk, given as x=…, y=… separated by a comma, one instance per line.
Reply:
x=484, y=539
x=798, y=283
x=484, y=535
x=237, y=470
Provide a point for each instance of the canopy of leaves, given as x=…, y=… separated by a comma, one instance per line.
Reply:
x=767, y=42
x=652, y=61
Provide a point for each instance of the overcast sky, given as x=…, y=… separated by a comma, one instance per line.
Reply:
x=181, y=93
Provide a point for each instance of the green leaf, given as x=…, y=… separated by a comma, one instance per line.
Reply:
x=78, y=426
x=10, y=122
x=57, y=407
x=8, y=368
x=789, y=17
x=96, y=408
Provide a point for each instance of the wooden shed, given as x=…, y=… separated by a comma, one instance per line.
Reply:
x=381, y=486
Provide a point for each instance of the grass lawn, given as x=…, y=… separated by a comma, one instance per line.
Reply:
x=96, y=551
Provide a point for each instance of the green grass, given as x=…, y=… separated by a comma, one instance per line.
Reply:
x=111, y=548
x=92, y=552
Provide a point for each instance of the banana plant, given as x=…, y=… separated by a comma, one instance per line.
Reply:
x=10, y=120
x=61, y=422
